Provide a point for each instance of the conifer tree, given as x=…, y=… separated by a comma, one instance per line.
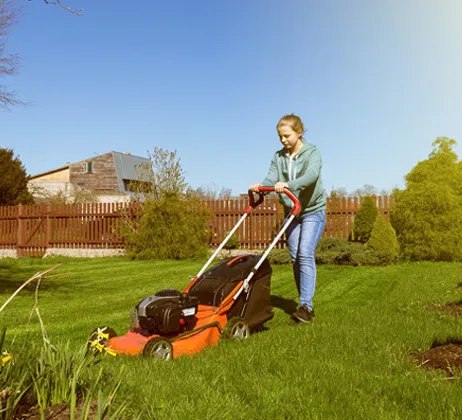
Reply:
x=13, y=180
x=383, y=239
x=364, y=220
x=427, y=214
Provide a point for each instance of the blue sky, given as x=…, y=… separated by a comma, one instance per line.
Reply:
x=375, y=83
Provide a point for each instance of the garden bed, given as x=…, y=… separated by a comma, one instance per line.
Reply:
x=451, y=308
x=446, y=357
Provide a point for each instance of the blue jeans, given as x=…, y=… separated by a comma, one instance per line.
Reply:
x=303, y=236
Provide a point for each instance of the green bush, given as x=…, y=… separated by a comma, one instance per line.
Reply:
x=364, y=221
x=427, y=214
x=233, y=242
x=342, y=252
x=383, y=239
x=171, y=221
x=336, y=252
x=170, y=228
x=331, y=244
x=279, y=256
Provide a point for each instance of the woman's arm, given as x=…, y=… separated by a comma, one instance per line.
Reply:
x=272, y=176
x=311, y=174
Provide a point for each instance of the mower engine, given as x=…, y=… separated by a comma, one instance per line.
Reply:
x=167, y=312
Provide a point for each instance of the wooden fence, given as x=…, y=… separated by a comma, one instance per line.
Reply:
x=261, y=226
x=31, y=230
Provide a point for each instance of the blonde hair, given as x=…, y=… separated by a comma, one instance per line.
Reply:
x=293, y=121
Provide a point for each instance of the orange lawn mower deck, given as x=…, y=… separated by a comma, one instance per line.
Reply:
x=229, y=300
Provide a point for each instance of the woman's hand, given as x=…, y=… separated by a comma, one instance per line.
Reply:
x=254, y=187
x=279, y=187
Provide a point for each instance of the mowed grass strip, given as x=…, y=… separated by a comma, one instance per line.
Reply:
x=352, y=362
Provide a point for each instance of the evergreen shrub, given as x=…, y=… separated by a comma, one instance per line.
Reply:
x=364, y=220
x=383, y=240
x=171, y=220
x=170, y=228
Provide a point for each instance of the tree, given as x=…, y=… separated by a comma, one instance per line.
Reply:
x=427, y=214
x=172, y=220
x=213, y=192
x=338, y=192
x=13, y=181
x=68, y=9
x=164, y=175
x=365, y=190
x=364, y=220
x=383, y=240
x=8, y=63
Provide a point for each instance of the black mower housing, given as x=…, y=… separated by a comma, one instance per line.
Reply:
x=218, y=282
x=163, y=312
x=170, y=311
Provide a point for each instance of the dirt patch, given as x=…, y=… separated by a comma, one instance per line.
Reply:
x=57, y=412
x=451, y=308
x=446, y=357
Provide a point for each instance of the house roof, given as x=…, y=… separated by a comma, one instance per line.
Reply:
x=127, y=166
x=130, y=168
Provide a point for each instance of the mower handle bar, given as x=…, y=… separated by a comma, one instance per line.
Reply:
x=263, y=190
x=252, y=205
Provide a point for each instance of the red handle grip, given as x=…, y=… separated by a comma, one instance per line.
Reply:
x=295, y=210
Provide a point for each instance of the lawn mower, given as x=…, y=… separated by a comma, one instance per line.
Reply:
x=229, y=300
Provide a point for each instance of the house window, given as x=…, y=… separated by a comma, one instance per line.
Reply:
x=136, y=186
x=127, y=185
x=87, y=167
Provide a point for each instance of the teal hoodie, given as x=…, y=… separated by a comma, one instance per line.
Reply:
x=303, y=175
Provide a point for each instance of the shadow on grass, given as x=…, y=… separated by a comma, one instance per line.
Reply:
x=12, y=277
x=289, y=306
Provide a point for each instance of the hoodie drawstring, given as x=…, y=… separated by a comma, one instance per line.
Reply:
x=292, y=175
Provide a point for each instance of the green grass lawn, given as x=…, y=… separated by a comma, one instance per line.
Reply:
x=352, y=362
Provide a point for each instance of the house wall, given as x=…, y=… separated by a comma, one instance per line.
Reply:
x=121, y=198
x=103, y=178
x=50, y=184
x=58, y=176
x=44, y=189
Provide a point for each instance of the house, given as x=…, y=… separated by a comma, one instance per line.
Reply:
x=107, y=176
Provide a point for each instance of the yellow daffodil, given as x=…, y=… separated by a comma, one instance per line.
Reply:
x=99, y=342
x=110, y=351
x=5, y=359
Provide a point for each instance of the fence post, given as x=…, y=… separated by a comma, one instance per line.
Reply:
x=251, y=236
x=21, y=230
x=48, y=227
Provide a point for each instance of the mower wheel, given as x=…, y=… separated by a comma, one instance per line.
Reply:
x=236, y=329
x=158, y=348
x=99, y=335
